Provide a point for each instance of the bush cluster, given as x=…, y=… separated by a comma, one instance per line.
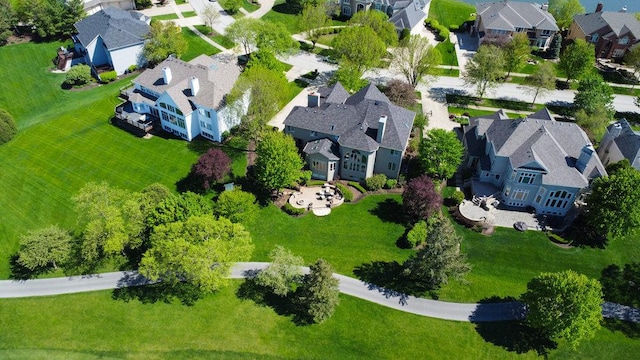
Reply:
x=78, y=75
x=391, y=183
x=457, y=197
x=357, y=185
x=376, y=182
x=441, y=30
x=289, y=209
x=346, y=193
x=418, y=234
x=8, y=127
x=108, y=76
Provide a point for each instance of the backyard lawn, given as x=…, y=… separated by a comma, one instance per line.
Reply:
x=451, y=12
x=196, y=46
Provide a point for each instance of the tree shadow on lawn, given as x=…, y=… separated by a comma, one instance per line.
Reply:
x=19, y=272
x=282, y=305
x=291, y=9
x=136, y=287
x=628, y=328
x=512, y=335
x=388, y=278
x=389, y=210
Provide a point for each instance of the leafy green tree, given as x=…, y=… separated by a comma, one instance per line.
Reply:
x=418, y=234
x=199, y=250
x=593, y=124
x=613, y=168
x=564, y=305
x=440, y=260
x=440, y=152
x=415, y=58
x=350, y=77
x=211, y=15
x=564, y=11
x=73, y=12
x=164, y=39
x=485, y=69
x=312, y=20
x=320, y=291
x=245, y=32
x=632, y=58
x=577, y=59
x=593, y=93
x=266, y=60
x=278, y=164
x=359, y=46
x=231, y=6
x=8, y=127
x=620, y=285
x=8, y=20
x=516, y=52
x=556, y=46
x=613, y=207
x=541, y=81
x=236, y=205
x=78, y=75
x=179, y=208
x=275, y=38
x=283, y=273
x=379, y=23
x=44, y=248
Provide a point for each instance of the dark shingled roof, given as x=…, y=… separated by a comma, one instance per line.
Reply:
x=619, y=22
x=324, y=147
x=536, y=142
x=409, y=17
x=118, y=28
x=628, y=141
x=355, y=122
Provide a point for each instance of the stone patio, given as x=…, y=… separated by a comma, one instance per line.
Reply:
x=319, y=199
x=497, y=216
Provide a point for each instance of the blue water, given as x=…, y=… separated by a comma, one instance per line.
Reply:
x=589, y=5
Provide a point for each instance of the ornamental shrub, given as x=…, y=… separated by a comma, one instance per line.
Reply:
x=457, y=197
x=376, y=182
x=8, y=127
x=78, y=75
x=391, y=183
x=108, y=76
x=289, y=209
x=346, y=193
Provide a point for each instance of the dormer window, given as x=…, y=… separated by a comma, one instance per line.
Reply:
x=623, y=41
x=594, y=38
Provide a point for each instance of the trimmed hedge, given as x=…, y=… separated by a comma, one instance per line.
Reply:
x=357, y=185
x=391, y=183
x=457, y=197
x=108, y=76
x=289, y=209
x=558, y=239
x=376, y=182
x=346, y=193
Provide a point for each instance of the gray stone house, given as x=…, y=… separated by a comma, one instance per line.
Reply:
x=620, y=142
x=351, y=137
x=404, y=14
x=505, y=18
x=533, y=162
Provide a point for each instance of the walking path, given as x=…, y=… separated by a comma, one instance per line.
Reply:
x=348, y=286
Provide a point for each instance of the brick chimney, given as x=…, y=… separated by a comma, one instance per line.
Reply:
x=599, y=7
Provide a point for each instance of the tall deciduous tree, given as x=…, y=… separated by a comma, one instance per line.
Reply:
x=275, y=38
x=44, y=248
x=485, y=69
x=613, y=207
x=199, y=250
x=415, y=58
x=359, y=46
x=212, y=166
x=236, y=205
x=577, y=59
x=8, y=127
x=564, y=11
x=541, y=81
x=420, y=199
x=283, y=272
x=8, y=20
x=620, y=285
x=440, y=260
x=593, y=93
x=319, y=295
x=516, y=52
x=379, y=23
x=350, y=77
x=179, y=208
x=231, y=6
x=632, y=58
x=440, y=152
x=313, y=18
x=401, y=93
x=164, y=39
x=564, y=305
x=211, y=15
x=244, y=31
x=278, y=164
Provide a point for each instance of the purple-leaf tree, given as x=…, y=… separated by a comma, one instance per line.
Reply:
x=212, y=166
x=420, y=199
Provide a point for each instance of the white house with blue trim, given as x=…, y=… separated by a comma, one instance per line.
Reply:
x=533, y=162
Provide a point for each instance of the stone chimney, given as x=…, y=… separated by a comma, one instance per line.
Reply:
x=599, y=7
x=194, y=84
x=545, y=7
x=166, y=75
x=615, y=130
x=382, y=124
x=585, y=155
x=313, y=100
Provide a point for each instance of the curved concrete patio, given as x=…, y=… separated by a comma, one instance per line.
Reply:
x=319, y=199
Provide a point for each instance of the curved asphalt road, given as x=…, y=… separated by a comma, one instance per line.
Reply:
x=348, y=285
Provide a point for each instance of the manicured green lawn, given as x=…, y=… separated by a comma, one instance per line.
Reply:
x=196, y=46
x=249, y=6
x=220, y=39
x=451, y=12
x=172, y=16
x=189, y=14
x=281, y=13
x=476, y=112
x=448, y=53
x=348, y=237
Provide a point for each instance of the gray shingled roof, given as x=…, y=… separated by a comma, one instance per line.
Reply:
x=118, y=28
x=355, y=122
x=216, y=76
x=535, y=142
x=628, y=141
x=409, y=17
x=509, y=15
x=324, y=147
x=619, y=22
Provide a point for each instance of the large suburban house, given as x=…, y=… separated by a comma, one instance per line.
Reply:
x=612, y=33
x=187, y=98
x=351, y=137
x=505, y=18
x=93, y=6
x=112, y=39
x=404, y=14
x=533, y=162
x=620, y=142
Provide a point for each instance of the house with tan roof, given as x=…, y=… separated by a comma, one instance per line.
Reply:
x=505, y=18
x=535, y=162
x=351, y=137
x=186, y=99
